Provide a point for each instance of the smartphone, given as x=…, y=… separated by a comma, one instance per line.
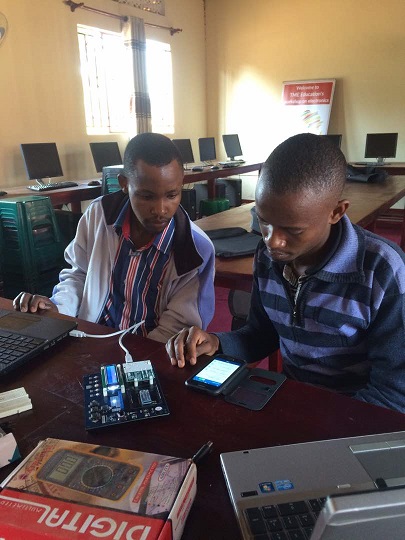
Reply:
x=217, y=375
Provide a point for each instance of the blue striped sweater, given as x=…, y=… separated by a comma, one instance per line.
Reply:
x=348, y=332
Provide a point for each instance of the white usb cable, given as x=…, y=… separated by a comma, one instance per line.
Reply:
x=79, y=333
x=121, y=333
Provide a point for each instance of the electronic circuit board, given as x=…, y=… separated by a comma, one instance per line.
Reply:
x=122, y=393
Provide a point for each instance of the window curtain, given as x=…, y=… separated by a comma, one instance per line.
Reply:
x=134, y=38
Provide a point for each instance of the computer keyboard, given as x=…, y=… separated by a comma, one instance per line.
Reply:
x=287, y=521
x=371, y=164
x=53, y=185
x=13, y=347
x=231, y=163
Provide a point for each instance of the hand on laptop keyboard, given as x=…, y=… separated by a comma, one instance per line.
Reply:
x=27, y=302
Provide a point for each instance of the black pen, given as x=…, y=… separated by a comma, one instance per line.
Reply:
x=202, y=452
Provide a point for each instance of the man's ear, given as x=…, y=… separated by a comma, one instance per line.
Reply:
x=339, y=211
x=123, y=180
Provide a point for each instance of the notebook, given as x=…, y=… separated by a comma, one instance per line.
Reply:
x=342, y=489
x=25, y=335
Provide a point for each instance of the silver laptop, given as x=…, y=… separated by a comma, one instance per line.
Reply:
x=342, y=489
x=25, y=335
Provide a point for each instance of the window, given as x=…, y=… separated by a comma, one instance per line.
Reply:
x=107, y=82
x=104, y=69
x=160, y=85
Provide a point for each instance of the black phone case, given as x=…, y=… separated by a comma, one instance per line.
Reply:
x=253, y=394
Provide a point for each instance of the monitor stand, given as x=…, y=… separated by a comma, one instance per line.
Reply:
x=381, y=161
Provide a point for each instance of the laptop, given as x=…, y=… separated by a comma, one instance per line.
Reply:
x=341, y=489
x=25, y=335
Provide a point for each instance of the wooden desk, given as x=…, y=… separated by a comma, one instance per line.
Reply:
x=83, y=192
x=395, y=167
x=297, y=413
x=367, y=202
x=211, y=175
x=73, y=196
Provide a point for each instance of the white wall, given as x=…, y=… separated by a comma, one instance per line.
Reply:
x=41, y=91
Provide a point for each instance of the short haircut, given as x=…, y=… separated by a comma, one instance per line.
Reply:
x=304, y=161
x=152, y=148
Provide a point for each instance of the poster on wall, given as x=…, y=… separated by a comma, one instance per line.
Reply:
x=307, y=105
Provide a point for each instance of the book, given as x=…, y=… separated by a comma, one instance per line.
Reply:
x=71, y=490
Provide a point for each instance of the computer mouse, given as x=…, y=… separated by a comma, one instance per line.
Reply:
x=2, y=193
x=214, y=168
x=94, y=183
x=197, y=168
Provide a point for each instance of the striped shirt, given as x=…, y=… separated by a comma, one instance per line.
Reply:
x=347, y=328
x=136, y=278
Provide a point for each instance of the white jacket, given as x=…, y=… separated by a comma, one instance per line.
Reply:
x=187, y=296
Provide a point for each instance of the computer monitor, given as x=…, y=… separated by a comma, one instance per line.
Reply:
x=232, y=145
x=335, y=139
x=206, y=146
x=186, y=152
x=381, y=146
x=41, y=160
x=105, y=154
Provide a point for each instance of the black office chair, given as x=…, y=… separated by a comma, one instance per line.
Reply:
x=239, y=305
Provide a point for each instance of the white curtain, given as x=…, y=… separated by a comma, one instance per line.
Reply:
x=134, y=37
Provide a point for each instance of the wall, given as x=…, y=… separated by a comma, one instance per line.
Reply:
x=41, y=91
x=252, y=47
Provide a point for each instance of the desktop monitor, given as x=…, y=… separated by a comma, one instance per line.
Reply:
x=381, y=146
x=184, y=147
x=232, y=145
x=41, y=160
x=335, y=139
x=105, y=154
x=206, y=146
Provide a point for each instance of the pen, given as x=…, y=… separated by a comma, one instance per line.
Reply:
x=202, y=452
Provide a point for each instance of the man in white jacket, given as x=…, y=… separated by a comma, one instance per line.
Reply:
x=136, y=255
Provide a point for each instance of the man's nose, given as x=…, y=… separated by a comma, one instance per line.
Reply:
x=273, y=237
x=160, y=207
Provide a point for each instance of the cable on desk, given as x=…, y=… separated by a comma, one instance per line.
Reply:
x=121, y=333
x=79, y=333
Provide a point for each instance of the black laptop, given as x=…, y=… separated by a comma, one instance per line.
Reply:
x=24, y=335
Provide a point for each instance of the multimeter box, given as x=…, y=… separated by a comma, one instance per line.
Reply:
x=70, y=490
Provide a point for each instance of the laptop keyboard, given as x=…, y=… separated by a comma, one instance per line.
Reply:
x=13, y=347
x=286, y=521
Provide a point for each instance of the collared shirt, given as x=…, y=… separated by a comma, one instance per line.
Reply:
x=295, y=282
x=136, y=278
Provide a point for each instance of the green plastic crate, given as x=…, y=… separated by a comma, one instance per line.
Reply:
x=32, y=241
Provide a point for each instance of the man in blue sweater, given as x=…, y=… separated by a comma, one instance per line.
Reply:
x=326, y=292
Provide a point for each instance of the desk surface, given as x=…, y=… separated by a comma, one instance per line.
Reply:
x=72, y=195
x=297, y=413
x=367, y=202
x=84, y=192
x=209, y=174
x=394, y=167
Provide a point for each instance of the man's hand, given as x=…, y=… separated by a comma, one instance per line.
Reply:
x=190, y=343
x=33, y=302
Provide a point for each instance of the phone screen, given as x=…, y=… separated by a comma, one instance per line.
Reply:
x=217, y=372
